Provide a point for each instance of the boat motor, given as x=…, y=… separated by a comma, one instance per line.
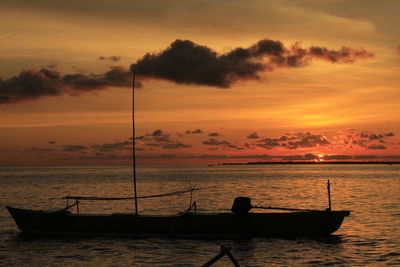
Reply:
x=241, y=205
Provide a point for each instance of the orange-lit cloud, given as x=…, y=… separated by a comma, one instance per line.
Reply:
x=368, y=140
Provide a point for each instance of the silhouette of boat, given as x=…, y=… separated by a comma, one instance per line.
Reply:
x=239, y=222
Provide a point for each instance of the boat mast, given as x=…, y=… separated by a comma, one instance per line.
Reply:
x=329, y=196
x=134, y=139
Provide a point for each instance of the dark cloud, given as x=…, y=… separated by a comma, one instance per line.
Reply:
x=253, y=136
x=215, y=142
x=183, y=62
x=268, y=143
x=375, y=146
x=197, y=131
x=158, y=132
x=101, y=156
x=344, y=55
x=214, y=134
x=368, y=140
x=115, y=77
x=371, y=136
x=52, y=142
x=307, y=140
x=293, y=141
x=73, y=148
x=186, y=62
x=110, y=58
x=159, y=138
x=113, y=146
x=174, y=145
x=33, y=84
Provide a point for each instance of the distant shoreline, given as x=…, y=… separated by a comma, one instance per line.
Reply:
x=311, y=162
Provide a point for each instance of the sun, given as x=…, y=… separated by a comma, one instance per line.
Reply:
x=319, y=158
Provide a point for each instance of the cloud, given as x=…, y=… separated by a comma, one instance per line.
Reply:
x=398, y=50
x=110, y=58
x=73, y=148
x=308, y=140
x=368, y=140
x=175, y=145
x=268, y=143
x=157, y=133
x=113, y=146
x=344, y=55
x=52, y=142
x=214, y=134
x=198, y=131
x=33, y=84
x=185, y=62
x=159, y=138
x=253, y=136
x=375, y=146
x=293, y=141
x=215, y=142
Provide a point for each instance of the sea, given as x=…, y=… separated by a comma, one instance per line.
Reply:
x=370, y=236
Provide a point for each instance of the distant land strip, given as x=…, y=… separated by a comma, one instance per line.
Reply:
x=311, y=162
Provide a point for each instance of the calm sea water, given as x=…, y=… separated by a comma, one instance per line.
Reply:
x=370, y=236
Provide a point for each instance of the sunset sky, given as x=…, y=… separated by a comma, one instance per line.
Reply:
x=217, y=81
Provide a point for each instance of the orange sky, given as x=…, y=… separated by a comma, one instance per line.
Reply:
x=343, y=106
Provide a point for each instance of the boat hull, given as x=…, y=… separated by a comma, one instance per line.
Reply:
x=307, y=223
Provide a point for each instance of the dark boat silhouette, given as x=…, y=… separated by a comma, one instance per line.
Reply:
x=188, y=224
x=239, y=222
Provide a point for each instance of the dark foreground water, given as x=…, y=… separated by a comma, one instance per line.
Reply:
x=370, y=236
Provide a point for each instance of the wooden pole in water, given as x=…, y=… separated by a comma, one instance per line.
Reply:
x=329, y=196
x=224, y=251
x=134, y=139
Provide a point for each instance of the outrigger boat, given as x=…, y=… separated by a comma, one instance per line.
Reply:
x=237, y=223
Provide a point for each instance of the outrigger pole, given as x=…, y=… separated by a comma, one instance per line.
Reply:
x=134, y=139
